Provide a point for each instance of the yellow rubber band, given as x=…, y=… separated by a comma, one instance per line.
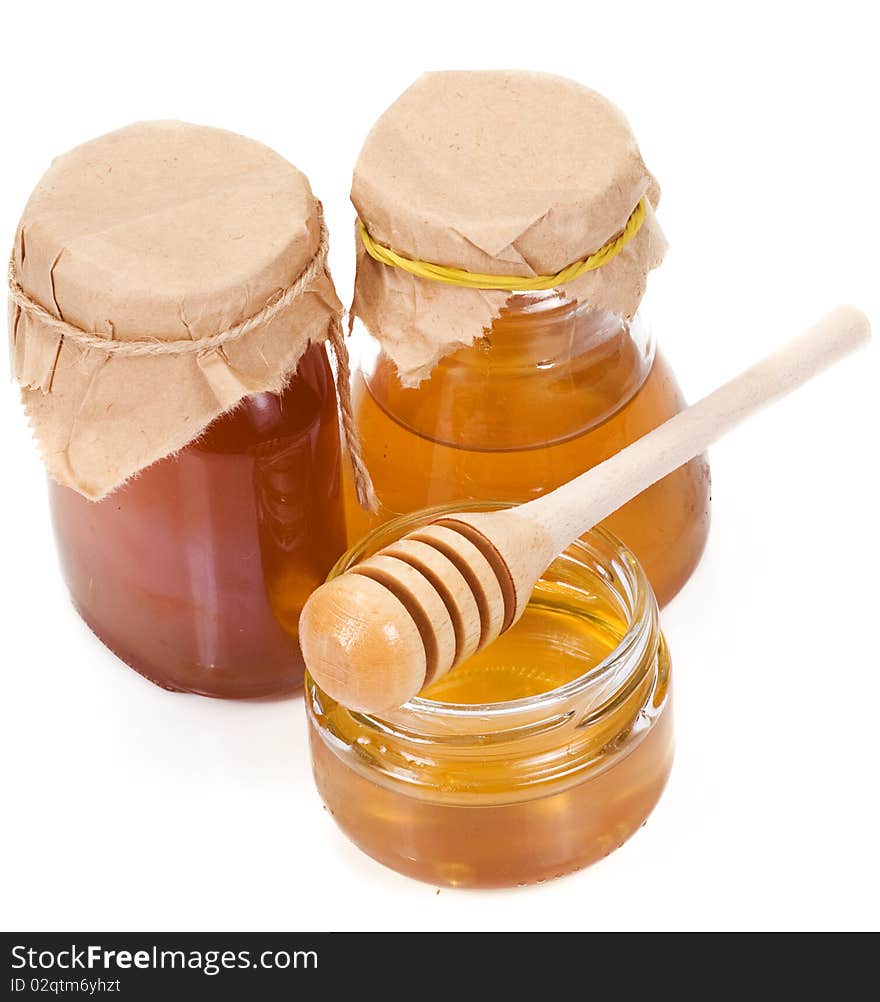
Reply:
x=507, y=283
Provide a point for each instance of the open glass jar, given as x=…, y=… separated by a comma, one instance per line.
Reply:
x=550, y=390
x=540, y=755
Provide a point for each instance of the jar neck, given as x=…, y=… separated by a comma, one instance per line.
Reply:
x=547, y=369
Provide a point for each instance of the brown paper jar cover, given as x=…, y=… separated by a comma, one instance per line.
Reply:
x=159, y=232
x=508, y=173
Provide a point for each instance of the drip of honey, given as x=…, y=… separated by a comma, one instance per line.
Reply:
x=195, y=571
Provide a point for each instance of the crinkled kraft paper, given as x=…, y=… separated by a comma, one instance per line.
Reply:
x=506, y=173
x=159, y=231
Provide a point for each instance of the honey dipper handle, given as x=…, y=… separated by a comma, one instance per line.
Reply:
x=577, y=506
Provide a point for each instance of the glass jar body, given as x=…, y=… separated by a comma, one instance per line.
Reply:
x=497, y=794
x=549, y=391
x=194, y=572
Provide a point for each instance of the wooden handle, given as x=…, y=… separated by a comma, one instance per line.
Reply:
x=577, y=506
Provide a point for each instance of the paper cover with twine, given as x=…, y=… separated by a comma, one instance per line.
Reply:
x=503, y=173
x=157, y=236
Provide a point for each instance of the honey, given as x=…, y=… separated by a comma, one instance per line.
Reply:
x=547, y=648
x=195, y=572
x=538, y=756
x=549, y=391
x=171, y=310
x=507, y=226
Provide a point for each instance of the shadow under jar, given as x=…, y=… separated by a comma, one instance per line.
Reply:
x=538, y=756
x=195, y=572
x=550, y=390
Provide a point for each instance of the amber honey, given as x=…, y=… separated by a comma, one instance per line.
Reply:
x=549, y=647
x=195, y=571
x=550, y=391
x=538, y=756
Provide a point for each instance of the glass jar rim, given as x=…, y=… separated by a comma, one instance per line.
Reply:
x=531, y=303
x=643, y=615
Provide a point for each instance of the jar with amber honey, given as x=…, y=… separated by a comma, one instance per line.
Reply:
x=505, y=231
x=538, y=756
x=170, y=304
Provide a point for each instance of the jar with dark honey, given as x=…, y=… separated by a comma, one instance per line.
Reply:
x=170, y=307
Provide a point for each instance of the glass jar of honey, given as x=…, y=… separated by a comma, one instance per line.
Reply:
x=506, y=229
x=552, y=389
x=170, y=307
x=538, y=756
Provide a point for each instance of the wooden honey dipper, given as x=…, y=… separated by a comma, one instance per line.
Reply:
x=391, y=625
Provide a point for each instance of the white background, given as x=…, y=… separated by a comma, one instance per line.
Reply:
x=127, y=807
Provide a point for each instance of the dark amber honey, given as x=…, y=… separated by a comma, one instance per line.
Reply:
x=195, y=571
